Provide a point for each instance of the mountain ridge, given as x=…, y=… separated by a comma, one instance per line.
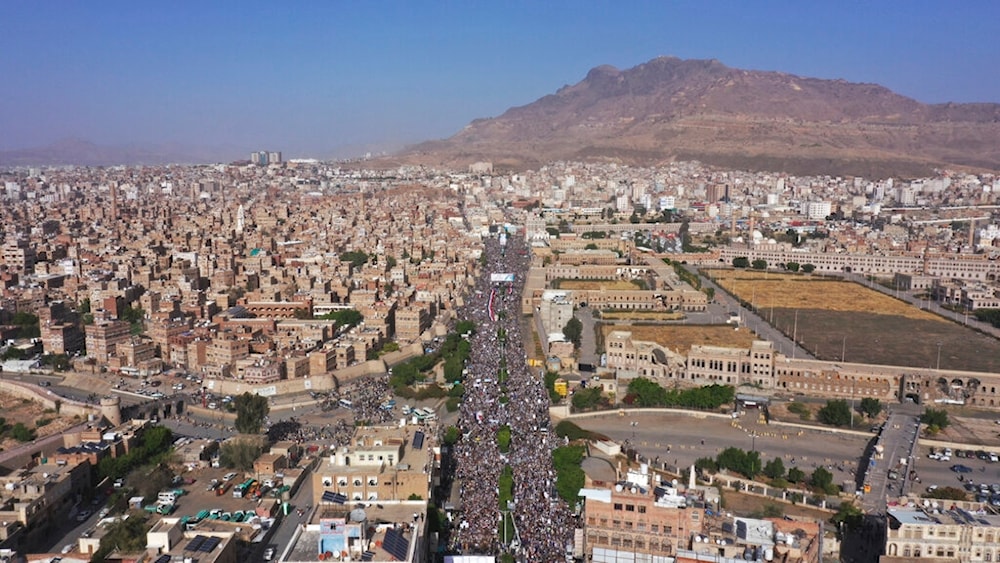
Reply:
x=669, y=108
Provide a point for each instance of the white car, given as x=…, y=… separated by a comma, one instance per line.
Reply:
x=269, y=554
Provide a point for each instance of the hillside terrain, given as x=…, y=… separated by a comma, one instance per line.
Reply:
x=672, y=109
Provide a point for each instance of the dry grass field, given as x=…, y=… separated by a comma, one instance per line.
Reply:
x=614, y=285
x=797, y=291
x=680, y=338
x=837, y=320
x=16, y=410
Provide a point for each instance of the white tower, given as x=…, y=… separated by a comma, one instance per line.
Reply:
x=240, y=218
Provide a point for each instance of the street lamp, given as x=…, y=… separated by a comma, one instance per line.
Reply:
x=939, y=356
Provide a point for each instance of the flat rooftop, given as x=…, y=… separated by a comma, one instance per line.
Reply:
x=391, y=521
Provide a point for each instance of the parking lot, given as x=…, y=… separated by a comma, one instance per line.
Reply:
x=198, y=495
x=976, y=471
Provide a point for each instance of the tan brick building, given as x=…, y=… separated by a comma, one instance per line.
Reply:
x=636, y=522
x=102, y=338
x=382, y=463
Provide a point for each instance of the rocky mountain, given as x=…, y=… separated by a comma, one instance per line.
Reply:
x=672, y=109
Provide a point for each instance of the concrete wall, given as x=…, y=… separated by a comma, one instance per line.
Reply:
x=404, y=354
x=327, y=382
x=67, y=407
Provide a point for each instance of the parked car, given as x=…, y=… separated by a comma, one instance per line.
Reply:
x=269, y=554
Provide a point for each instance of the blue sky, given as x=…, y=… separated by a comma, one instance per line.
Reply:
x=308, y=77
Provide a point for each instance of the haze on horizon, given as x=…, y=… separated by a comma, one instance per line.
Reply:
x=312, y=78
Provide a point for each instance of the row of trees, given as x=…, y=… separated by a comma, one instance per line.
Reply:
x=153, y=446
x=750, y=466
x=836, y=412
x=643, y=392
x=454, y=350
x=761, y=264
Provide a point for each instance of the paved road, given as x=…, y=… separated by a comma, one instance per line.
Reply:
x=282, y=537
x=588, y=339
x=678, y=439
x=897, y=440
x=755, y=322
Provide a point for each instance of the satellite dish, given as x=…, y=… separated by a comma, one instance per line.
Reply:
x=358, y=515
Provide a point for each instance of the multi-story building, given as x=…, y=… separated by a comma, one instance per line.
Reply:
x=555, y=310
x=262, y=370
x=226, y=351
x=636, y=520
x=19, y=256
x=943, y=535
x=102, y=338
x=381, y=463
x=412, y=321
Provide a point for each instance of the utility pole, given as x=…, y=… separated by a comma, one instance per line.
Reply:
x=795, y=332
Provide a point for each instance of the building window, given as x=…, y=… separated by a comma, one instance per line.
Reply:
x=629, y=508
x=618, y=506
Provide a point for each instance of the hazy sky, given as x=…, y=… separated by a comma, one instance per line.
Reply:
x=306, y=77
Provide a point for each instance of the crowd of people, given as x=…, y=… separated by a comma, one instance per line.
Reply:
x=542, y=523
x=367, y=400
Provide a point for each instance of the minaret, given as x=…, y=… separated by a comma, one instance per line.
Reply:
x=972, y=234
x=114, y=202
x=240, y=218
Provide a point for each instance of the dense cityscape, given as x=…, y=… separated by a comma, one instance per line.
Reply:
x=462, y=364
x=508, y=282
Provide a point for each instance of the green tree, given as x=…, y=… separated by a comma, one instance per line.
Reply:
x=250, y=412
x=573, y=331
x=22, y=433
x=569, y=476
x=735, y=459
x=836, y=412
x=127, y=536
x=808, y=268
x=451, y=435
x=706, y=464
x=240, y=454
x=345, y=317
x=390, y=262
x=587, y=398
x=795, y=475
x=357, y=258
x=822, y=479
x=937, y=418
x=947, y=493
x=775, y=469
x=741, y=262
x=792, y=266
x=647, y=393
x=848, y=515
x=550, y=385
x=503, y=439
x=870, y=407
x=759, y=264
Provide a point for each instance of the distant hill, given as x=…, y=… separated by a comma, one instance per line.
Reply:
x=672, y=109
x=84, y=153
